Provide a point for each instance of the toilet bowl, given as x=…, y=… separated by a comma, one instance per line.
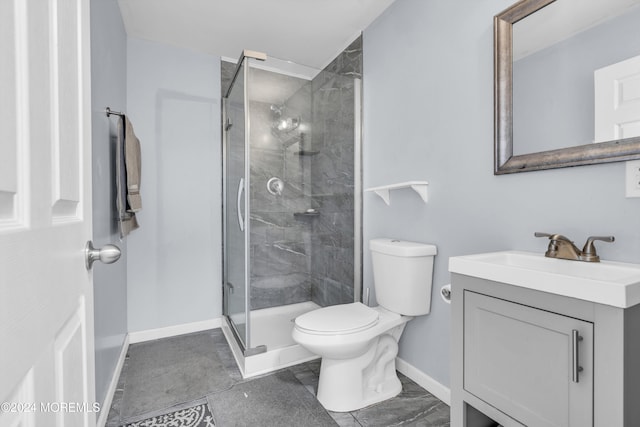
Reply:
x=358, y=360
x=358, y=344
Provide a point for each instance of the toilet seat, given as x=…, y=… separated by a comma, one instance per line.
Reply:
x=338, y=319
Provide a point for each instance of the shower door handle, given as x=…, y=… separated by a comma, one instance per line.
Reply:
x=239, y=204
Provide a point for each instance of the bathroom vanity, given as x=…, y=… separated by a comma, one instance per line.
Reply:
x=544, y=342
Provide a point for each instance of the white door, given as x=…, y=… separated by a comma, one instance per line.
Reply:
x=617, y=100
x=46, y=312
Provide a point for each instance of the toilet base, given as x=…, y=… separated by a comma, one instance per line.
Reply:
x=351, y=384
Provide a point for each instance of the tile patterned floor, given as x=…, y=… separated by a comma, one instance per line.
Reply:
x=172, y=374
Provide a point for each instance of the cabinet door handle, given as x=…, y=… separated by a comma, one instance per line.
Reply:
x=575, y=340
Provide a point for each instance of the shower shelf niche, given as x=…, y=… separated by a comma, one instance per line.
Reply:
x=383, y=191
x=309, y=213
x=306, y=153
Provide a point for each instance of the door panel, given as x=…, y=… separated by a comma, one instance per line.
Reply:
x=12, y=107
x=236, y=214
x=65, y=111
x=71, y=369
x=46, y=299
x=520, y=360
x=617, y=100
x=22, y=415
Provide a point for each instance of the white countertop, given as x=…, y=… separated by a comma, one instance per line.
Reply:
x=606, y=282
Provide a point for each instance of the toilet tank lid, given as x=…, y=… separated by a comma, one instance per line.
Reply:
x=401, y=247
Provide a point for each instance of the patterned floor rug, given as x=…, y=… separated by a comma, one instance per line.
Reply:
x=196, y=416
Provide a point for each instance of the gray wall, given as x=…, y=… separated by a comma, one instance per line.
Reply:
x=174, y=262
x=556, y=109
x=428, y=115
x=108, y=89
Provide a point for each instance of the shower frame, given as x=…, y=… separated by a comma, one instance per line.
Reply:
x=242, y=71
x=245, y=344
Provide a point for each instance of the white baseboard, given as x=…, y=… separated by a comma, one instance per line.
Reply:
x=108, y=400
x=171, y=331
x=425, y=381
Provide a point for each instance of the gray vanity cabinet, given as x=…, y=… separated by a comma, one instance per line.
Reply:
x=521, y=360
x=516, y=355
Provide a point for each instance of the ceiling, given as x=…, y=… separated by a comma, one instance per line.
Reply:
x=308, y=32
x=561, y=20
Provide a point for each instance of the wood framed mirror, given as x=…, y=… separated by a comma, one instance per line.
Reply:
x=511, y=152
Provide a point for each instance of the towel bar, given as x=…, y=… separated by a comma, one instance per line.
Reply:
x=109, y=112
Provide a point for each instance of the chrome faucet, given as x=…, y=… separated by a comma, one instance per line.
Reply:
x=563, y=248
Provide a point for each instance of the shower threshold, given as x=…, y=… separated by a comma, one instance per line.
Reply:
x=271, y=327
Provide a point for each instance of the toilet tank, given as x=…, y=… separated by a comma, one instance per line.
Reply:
x=403, y=275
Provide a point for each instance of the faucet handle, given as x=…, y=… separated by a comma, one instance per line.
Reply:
x=552, y=249
x=589, y=250
x=552, y=236
x=539, y=234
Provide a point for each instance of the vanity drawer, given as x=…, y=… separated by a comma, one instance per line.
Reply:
x=535, y=365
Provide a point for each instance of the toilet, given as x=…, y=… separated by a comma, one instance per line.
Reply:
x=358, y=344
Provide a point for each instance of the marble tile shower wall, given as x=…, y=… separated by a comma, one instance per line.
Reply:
x=297, y=258
x=280, y=241
x=333, y=177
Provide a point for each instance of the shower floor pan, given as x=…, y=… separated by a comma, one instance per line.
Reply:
x=271, y=327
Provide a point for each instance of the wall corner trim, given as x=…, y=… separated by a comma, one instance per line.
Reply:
x=171, y=331
x=105, y=407
x=440, y=391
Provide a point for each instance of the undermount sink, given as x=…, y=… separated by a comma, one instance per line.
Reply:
x=612, y=283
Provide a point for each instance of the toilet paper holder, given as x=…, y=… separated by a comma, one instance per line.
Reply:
x=445, y=293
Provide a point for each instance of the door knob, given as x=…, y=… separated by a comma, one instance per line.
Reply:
x=108, y=254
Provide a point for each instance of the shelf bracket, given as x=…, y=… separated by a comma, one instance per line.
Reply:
x=384, y=194
x=421, y=189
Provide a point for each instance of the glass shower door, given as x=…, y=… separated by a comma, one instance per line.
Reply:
x=235, y=210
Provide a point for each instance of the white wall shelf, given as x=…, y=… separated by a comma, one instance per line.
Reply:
x=383, y=191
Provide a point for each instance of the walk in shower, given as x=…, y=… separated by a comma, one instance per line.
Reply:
x=292, y=200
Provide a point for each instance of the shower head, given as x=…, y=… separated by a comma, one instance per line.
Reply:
x=287, y=124
x=276, y=109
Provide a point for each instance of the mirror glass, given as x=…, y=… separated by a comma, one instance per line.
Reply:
x=555, y=53
x=554, y=106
